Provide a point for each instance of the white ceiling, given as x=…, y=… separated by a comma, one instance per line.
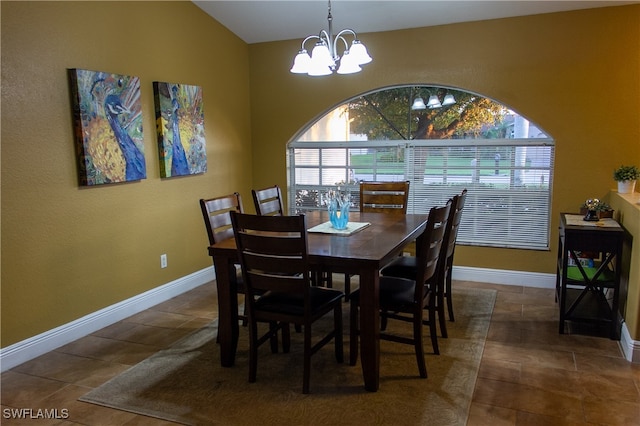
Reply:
x=263, y=20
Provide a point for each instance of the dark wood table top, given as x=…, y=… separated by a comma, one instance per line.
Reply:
x=369, y=247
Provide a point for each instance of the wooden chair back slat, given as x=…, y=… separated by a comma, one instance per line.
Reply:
x=268, y=201
x=384, y=197
x=215, y=212
x=273, y=252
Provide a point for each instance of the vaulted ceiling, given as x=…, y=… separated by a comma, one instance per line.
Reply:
x=262, y=21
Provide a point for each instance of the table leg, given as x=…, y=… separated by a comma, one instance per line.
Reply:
x=370, y=328
x=228, y=329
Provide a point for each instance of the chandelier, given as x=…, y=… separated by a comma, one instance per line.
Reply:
x=433, y=102
x=324, y=57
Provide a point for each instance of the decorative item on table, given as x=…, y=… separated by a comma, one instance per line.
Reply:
x=599, y=208
x=592, y=215
x=626, y=177
x=338, y=203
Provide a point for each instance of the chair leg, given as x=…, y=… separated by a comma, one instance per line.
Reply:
x=244, y=316
x=418, y=345
x=353, y=333
x=286, y=338
x=448, y=295
x=338, y=338
x=433, y=331
x=273, y=329
x=322, y=278
x=347, y=287
x=328, y=278
x=307, y=359
x=441, y=315
x=253, y=352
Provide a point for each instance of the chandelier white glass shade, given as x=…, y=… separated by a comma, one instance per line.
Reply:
x=324, y=57
x=433, y=102
x=418, y=103
x=448, y=100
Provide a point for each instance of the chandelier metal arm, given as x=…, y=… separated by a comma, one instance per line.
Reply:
x=339, y=36
x=307, y=39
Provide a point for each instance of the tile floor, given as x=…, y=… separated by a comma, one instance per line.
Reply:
x=529, y=375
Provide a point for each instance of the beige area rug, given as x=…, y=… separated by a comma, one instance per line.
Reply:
x=186, y=384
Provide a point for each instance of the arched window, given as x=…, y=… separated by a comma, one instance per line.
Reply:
x=443, y=140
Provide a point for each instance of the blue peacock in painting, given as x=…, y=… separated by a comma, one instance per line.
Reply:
x=135, y=168
x=180, y=127
x=179, y=165
x=110, y=132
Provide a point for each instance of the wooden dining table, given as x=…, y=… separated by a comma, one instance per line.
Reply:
x=362, y=253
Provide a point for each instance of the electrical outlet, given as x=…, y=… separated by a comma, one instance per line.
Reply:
x=163, y=260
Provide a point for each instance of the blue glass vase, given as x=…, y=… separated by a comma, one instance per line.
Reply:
x=338, y=204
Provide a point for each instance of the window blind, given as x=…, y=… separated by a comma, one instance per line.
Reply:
x=509, y=181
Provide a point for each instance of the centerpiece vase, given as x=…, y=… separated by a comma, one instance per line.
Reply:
x=338, y=204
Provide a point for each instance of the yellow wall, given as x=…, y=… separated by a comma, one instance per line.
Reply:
x=575, y=74
x=627, y=212
x=69, y=251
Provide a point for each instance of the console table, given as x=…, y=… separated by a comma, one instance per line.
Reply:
x=588, y=272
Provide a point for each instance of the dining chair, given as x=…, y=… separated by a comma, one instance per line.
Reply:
x=380, y=197
x=406, y=299
x=217, y=221
x=273, y=252
x=405, y=266
x=456, y=218
x=268, y=201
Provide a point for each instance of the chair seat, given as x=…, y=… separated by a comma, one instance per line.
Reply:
x=288, y=304
x=404, y=267
x=395, y=294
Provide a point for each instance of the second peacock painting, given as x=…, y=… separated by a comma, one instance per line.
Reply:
x=108, y=127
x=180, y=127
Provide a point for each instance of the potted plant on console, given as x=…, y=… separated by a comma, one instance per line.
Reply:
x=593, y=209
x=626, y=177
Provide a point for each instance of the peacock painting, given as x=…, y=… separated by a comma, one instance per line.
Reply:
x=108, y=126
x=180, y=128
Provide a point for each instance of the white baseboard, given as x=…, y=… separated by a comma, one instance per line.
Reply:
x=630, y=348
x=28, y=349
x=33, y=347
x=504, y=276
